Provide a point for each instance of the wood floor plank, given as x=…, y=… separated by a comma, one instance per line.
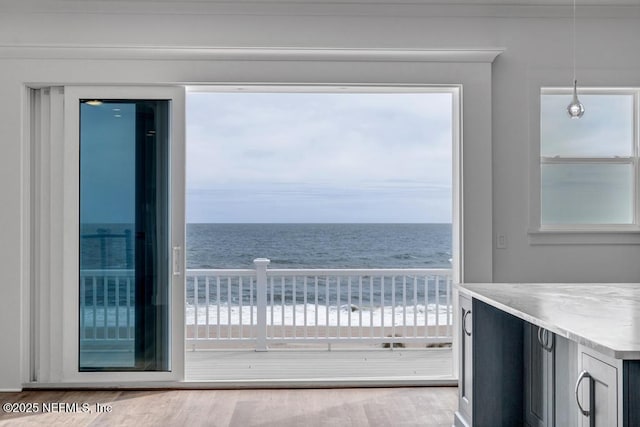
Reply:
x=419, y=406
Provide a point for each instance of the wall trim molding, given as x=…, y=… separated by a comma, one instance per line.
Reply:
x=189, y=53
x=434, y=9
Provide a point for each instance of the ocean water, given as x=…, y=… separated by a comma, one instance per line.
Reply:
x=374, y=301
x=110, y=246
x=319, y=245
x=322, y=246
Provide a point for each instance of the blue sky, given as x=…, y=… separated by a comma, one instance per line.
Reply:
x=302, y=157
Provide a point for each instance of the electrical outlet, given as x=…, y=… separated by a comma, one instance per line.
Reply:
x=501, y=241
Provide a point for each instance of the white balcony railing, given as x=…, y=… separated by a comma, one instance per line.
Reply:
x=107, y=305
x=260, y=307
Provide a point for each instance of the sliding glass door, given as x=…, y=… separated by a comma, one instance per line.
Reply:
x=131, y=229
x=124, y=222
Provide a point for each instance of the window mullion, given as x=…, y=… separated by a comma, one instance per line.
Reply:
x=586, y=160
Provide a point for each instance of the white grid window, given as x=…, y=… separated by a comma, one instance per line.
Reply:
x=589, y=166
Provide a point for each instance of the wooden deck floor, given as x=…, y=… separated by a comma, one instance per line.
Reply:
x=402, y=366
x=426, y=406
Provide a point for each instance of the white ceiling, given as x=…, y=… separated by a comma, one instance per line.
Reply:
x=405, y=2
x=495, y=8
x=353, y=2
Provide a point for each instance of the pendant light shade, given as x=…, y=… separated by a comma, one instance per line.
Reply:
x=575, y=108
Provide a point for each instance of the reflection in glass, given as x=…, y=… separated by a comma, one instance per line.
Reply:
x=607, y=130
x=124, y=235
x=587, y=194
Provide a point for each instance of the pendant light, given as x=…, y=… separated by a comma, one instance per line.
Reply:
x=575, y=108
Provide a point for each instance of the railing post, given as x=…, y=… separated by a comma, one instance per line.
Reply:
x=261, y=300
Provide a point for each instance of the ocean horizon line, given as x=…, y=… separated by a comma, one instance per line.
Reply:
x=321, y=223
x=87, y=224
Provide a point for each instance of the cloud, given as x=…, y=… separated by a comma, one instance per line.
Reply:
x=322, y=153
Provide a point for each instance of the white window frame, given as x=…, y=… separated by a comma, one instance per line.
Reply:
x=540, y=233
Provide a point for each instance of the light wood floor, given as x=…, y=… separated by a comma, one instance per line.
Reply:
x=385, y=407
x=339, y=365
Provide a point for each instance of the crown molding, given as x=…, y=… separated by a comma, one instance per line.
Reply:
x=84, y=52
x=627, y=9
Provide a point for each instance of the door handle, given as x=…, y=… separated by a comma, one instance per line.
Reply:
x=176, y=261
x=464, y=322
x=583, y=375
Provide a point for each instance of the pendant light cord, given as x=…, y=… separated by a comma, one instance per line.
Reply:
x=573, y=40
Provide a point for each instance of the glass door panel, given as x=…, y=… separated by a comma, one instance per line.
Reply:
x=125, y=230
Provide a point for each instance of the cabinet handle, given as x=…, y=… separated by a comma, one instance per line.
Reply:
x=540, y=336
x=543, y=338
x=464, y=322
x=583, y=375
x=549, y=346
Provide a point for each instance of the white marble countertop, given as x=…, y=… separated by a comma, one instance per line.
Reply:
x=605, y=317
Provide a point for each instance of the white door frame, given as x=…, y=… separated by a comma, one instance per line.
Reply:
x=456, y=91
x=471, y=69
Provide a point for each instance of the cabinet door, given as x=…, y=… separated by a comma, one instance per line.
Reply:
x=598, y=393
x=465, y=389
x=539, y=376
x=566, y=373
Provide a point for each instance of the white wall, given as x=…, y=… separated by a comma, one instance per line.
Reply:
x=537, y=43
x=538, y=53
